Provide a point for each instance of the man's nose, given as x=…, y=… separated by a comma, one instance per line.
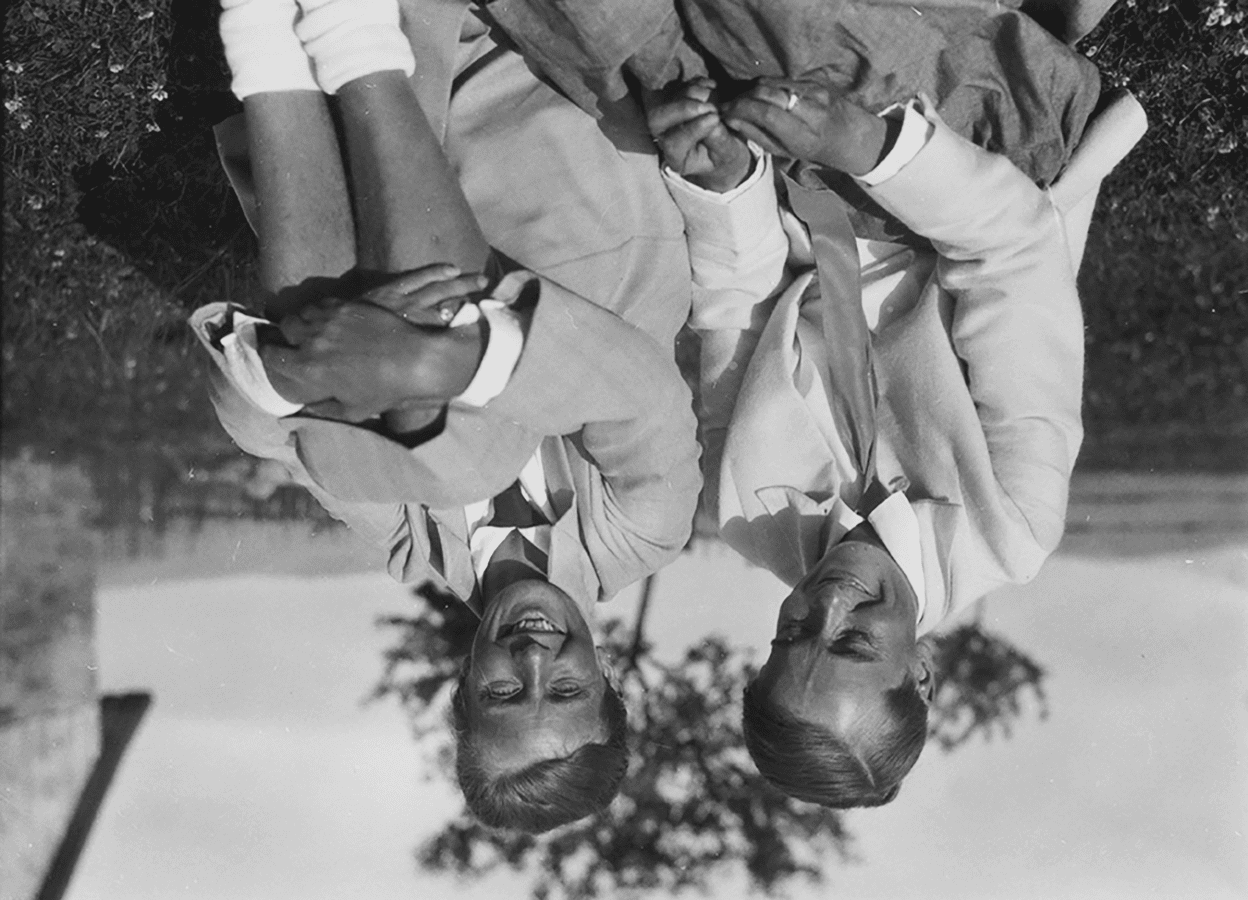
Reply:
x=834, y=607
x=535, y=654
x=535, y=643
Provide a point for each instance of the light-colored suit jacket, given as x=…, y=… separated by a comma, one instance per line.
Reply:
x=980, y=372
x=595, y=388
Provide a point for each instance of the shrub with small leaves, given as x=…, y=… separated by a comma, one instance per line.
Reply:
x=692, y=807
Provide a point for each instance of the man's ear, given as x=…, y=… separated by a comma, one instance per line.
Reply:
x=924, y=668
x=608, y=669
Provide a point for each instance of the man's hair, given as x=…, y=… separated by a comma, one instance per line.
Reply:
x=548, y=793
x=809, y=762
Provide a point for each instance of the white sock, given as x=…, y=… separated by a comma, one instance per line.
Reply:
x=347, y=39
x=262, y=48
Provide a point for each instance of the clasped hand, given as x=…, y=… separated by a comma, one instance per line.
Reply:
x=704, y=140
x=388, y=349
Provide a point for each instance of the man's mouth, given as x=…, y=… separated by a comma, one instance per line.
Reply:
x=530, y=624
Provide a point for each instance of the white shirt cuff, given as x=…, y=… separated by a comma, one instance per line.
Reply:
x=241, y=350
x=737, y=246
x=503, y=345
x=915, y=133
x=761, y=164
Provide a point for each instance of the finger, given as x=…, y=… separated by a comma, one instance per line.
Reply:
x=699, y=89
x=751, y=132
x=670, y=115
x=409, y=282
x=681, y=142
x=287, y=374
x=314, y=316
x=435, y=294
x=342, y=412
x=807, y=90
x=782, y=126
x=773, y=94
x=721, y=142
x=296, y=330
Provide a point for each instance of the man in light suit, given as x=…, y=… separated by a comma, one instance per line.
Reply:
x=532, y=453
x=889, y=470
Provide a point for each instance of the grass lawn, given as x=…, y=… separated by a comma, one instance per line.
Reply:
x=117, y=223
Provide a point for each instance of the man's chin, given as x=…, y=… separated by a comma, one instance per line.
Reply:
x=536, y=599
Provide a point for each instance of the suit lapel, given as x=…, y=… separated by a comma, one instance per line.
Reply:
x=571, y=569
x=461, y=579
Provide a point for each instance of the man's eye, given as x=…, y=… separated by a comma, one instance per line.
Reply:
x=566, y=689
x=790, y=632
x=501, y=690
x=853, y=642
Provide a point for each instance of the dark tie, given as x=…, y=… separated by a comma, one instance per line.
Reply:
x=850, y=366
x=513, y=510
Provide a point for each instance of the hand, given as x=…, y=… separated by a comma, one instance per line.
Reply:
x=357, y=360
x=693, y=140
x=427, y=296
x=821, y=128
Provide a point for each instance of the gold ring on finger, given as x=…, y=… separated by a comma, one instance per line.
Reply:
x=791, y=103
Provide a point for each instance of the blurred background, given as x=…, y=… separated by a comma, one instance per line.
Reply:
x=1091, y=735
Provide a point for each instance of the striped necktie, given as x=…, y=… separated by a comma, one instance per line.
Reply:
x=850, y=365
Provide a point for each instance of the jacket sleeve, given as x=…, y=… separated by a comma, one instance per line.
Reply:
x=1015, y=322
x=267, y=436
x=737, y=251
x=587, y=374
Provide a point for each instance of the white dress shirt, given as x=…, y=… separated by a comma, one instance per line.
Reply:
x=484, y=539
x=746, y=252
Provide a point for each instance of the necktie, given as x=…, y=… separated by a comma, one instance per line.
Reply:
x=851, y=369
x=513, y=510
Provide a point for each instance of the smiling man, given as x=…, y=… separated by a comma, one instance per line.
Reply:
x=888, y=427
x=540, y=733
x=839, y=710
x=531, y=452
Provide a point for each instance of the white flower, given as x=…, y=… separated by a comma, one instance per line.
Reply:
x=14, y=104
x=143, y=17
x=116, y=67
x=160, y=94
x=152, y=126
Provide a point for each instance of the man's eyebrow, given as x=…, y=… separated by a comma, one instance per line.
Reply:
x=847, y=578
x=855, y=645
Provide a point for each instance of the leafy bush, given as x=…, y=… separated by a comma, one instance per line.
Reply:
x=1165, y=277
x=693, y=807
x=118, y=222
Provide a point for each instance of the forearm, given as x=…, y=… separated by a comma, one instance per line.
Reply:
x=410, y=210
x=305, y=227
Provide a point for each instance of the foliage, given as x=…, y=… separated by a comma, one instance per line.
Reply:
x=692, y=807
x=981, y=686
x=118, y=222
x=1165, y=277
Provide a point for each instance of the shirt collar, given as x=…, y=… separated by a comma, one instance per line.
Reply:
x=484, y=539
x=898, y=528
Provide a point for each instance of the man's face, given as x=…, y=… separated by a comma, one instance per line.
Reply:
x=534, y=685
x=846, y=634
